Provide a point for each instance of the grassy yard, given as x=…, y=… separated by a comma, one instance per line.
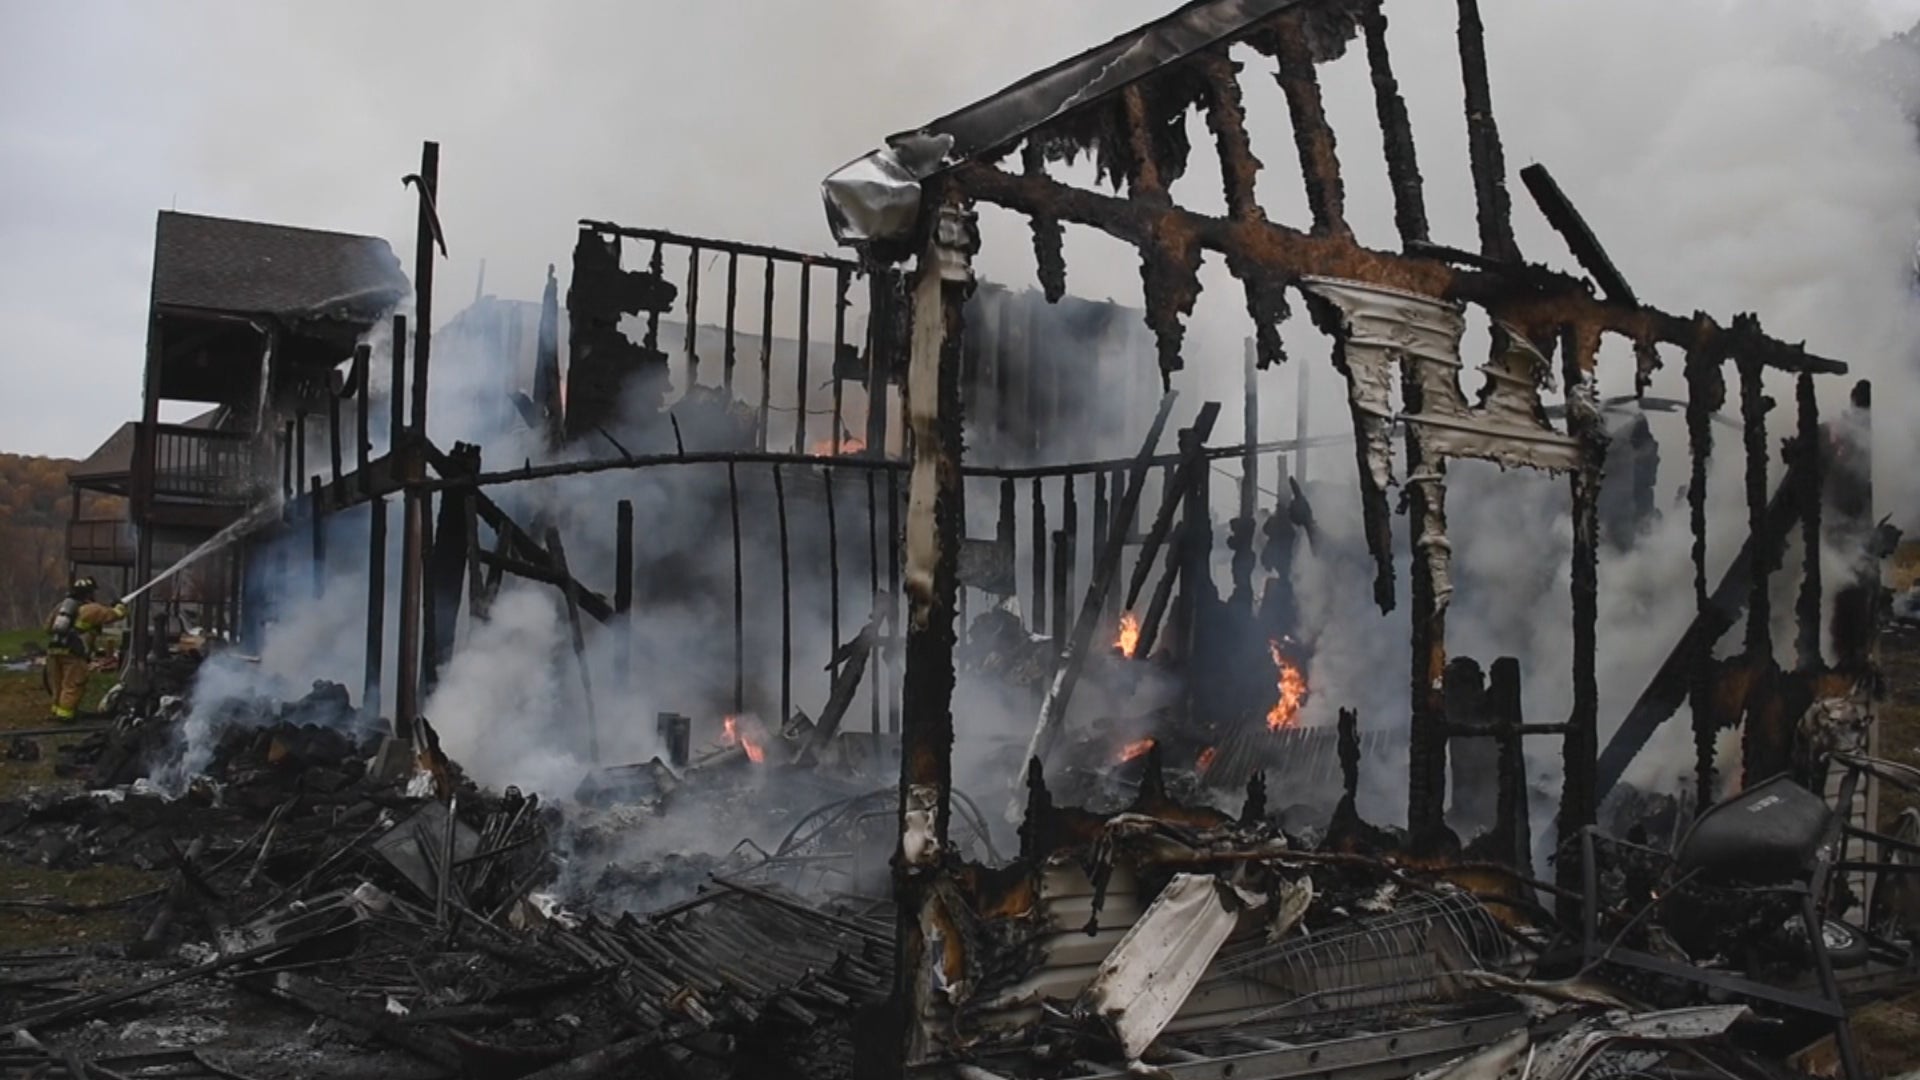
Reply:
x=14, y=643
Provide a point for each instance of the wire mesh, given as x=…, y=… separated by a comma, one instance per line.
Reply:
x=1394, y=959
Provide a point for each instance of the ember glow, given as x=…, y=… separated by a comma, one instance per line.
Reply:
x=1205, y=761
x=736, y=735
x=1129, y=637
x=1293, y=690
x=848, y=445
x=1135, y=749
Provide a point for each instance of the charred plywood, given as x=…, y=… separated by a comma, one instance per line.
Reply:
x=604, y=365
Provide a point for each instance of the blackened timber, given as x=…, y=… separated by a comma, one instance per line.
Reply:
x=1180, y=482
x=786, y=601
x=623, y=589
x=849, y=663
x=1806, y=453
x=739, y=598
x=1196, y=555
x=1706, y=393
x=286, y=464
x=397, y=394
x=733, y=295
x=886, y=330
x=478, y=599
x=1250, y=425
x=1062, y=558
x=1162, y=594
x=693, y=316
x=1488, y=160
x=895, y=541
x=1579, y=800
x=1240, y=172
x=709, y=243
x=523, y=542
x=1396, y=131
x=1754, y=406
x=570, y=590
x=833, y=558
x=317, y=519
x=1426, y=493
x=362, y=411
x=376, y=603
x=426, y=231
x=1573, y=228
x=299, y=449
x=333, y=432
x=657, y=268
x=1312, y=135
x=1049, y=239
x=1670, y=683
x=1513, y=832
x=766, y=358
x=447, y=568
x=1093, y=608
x=412, y=563
x=873, y=577
x=804, y=347
x=502, y=562
x=1102, y=514
x=842, y=280
x=944, y=280
x=1038, y=524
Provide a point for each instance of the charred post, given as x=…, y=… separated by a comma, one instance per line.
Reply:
x=873, y=589
x=1754, y=406
x=1806, y=452
x=842, y=281
x=804, y=347
x=1038, y=524
x=944, y=280
x=739, y=597
x=730, y=356
x=362, y=413
x=426, y=232
x=833, y=561
x=1396, y=131
x=1487, y=158
x=1428, y=589
x=766, y=359
x=1312, y=135
x=376, y=603
x=571, y=592
x=623, y=588
x=447, y=569
x=1579, y=800
x=786, y=600
x=1706, y=393
x=1513, y=832
x=317, y=520
x=693, y=315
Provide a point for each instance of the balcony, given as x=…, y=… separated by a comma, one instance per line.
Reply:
x=194, y=463
x=101, y=542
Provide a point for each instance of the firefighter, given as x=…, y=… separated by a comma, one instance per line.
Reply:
x=71, y=631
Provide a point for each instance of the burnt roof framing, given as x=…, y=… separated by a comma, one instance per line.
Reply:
x=1125, y=105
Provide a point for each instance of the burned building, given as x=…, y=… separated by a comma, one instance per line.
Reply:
x=808, y=527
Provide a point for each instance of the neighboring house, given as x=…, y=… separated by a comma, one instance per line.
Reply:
x=253, y=320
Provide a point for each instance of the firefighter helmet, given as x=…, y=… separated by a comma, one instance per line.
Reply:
x=83, y=586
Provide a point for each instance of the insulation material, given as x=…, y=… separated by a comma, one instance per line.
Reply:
x=1149, y=975
x=1509, y=427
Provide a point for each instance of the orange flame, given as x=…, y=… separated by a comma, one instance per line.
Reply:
x=1293, y=691
x=735, y=735
x=1129, y=637
x=1206, y=759
x=849, y=444
x=1134, y=749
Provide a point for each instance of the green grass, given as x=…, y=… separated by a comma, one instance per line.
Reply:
x=14, y=642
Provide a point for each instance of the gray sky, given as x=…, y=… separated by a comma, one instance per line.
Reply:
x=715, y=118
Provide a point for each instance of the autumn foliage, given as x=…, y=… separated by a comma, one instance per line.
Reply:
x=34, y=504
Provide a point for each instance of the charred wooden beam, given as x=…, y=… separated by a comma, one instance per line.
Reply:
x=376, y=604
x=786, y=600
x=1754, y=406
x=944, y=280
x=1706, y=393
x=1676, y=675
x=739, y=598
x=693, y=316
x=426, y=233
x=478, y=598
x=849, y=663
x=833, y=558
x=1049, y=238
x=1180, y=483
x=1169, y=262
x=1312, y=134
x=1579, y=800
x=1240, y=171
x=1038, y=522
x=1573, y=228
x=1538, y=307
x=766, y=357
x=1106, y=570
x=362, y=411
x=716, y=244
x=317, y=522
x=447, y=568
x=731, y=356
x=1428, y=588
x=1513, y=832
x=623, y=588
x=804, y=347
x=842, y=281
x=657, y=269
x=873, y=575
x=1488, y=159
x=1805, y=451
x=1396, y=130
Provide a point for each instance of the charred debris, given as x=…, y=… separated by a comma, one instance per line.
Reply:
x=1173, y=880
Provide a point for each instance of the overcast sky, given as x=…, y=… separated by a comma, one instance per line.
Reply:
x=715, y=118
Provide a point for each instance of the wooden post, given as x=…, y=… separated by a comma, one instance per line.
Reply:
x=943, y=281
x=875, y=691
x=376, y=603
x=623, y=590
x=1037, y=621
x=833, y=563
x=800, y=374
x=317, y=520
x=786, y=601
x=729, y=357
x=739, y=599
x=766, y=359
x=362, y=412
x=333, y=432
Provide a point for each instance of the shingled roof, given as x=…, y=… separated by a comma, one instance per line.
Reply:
x=251, y=268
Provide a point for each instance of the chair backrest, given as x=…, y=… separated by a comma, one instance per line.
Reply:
x=1768, y=834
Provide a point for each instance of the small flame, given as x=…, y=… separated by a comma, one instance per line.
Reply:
x=735, y=735
x=1292, y=686
x=1129, y=637
x=1206, y=759
x=1135, y=749
x=849, y=444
